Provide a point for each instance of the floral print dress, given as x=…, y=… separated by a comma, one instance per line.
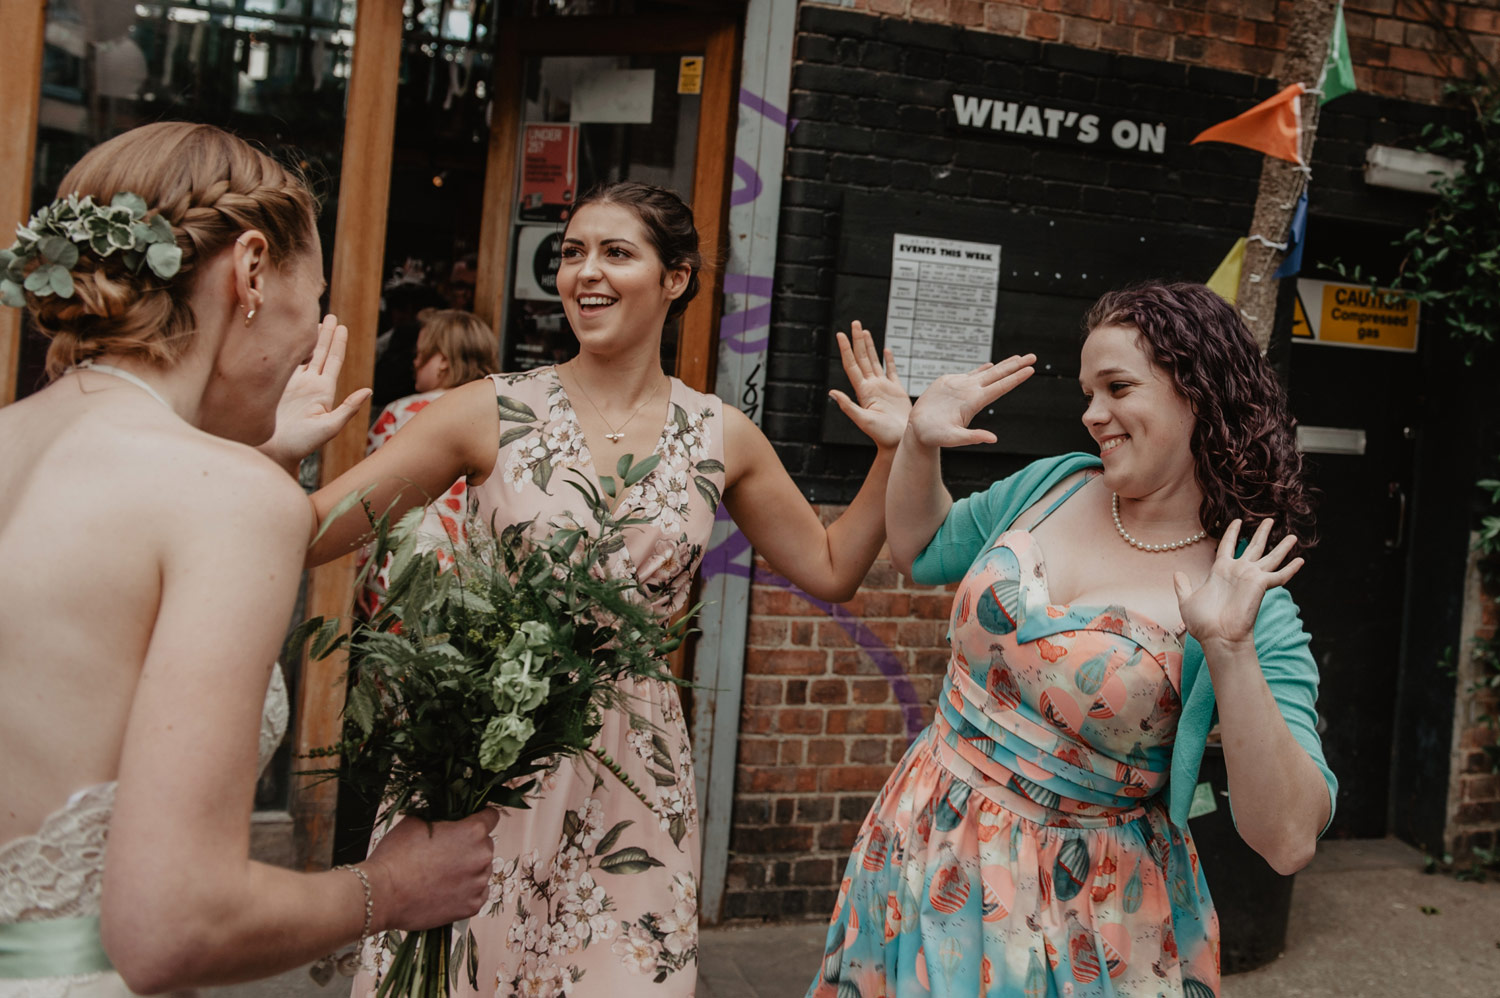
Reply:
x=595, y=887
x=1022, y=847
x=443, y=523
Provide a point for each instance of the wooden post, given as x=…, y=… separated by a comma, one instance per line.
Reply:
x=21, y=83
x=358, y=264
x=499, y=184
x=697, y=356
x=1282, y=183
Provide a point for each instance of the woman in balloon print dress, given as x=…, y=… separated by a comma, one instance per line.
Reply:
x=1033, y=841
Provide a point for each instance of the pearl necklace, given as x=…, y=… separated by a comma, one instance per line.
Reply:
x=1114, y=505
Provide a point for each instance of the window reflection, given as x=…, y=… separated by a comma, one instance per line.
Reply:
x=272, y=71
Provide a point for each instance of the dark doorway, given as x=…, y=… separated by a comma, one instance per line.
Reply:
x=1352, y=590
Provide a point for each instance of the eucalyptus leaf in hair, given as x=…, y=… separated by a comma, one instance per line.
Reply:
x=52, y=242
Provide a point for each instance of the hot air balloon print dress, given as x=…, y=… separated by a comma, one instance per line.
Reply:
x=1022, y=848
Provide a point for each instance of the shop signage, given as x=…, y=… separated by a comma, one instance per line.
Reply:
x=1355, y=315
x=1073, y=126
x=941, y=315
x=690, y=74
x=538, y=252
x=549, y=170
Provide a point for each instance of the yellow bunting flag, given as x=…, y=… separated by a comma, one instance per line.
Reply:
x=1226, y=279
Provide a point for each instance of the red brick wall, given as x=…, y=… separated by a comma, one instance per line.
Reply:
x=823, y=724
x=1474, y=814
x=1397, y=49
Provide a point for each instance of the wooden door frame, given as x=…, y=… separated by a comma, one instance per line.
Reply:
x=354, y=295
x=718, y=38
x=20, y=114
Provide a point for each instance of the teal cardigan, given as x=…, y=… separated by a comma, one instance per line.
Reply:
x=976, y=522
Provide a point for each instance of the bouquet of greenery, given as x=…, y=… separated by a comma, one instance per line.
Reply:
x=472, y=679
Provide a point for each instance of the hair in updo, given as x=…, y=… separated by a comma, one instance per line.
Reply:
x=1244, y=453
x=211, y=186
x=669, y=226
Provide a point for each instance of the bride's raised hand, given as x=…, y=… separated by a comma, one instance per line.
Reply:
x=880, y=405
x=941, y=416
x=306, y=417
x=1223, y=609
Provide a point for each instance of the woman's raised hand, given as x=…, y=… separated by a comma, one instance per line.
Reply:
x=1223, y=609
x=306, y=418
x=941, y=416
x=883, y=405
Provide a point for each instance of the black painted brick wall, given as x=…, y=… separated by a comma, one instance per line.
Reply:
x=871, y=98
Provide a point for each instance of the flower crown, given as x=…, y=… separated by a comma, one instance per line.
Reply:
x=53, y=238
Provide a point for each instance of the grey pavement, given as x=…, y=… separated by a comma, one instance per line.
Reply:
x=1366, y=922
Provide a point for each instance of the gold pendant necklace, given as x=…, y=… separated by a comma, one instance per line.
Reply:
x=616, y=433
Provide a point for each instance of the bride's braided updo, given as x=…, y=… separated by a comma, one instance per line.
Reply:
x=210, y=186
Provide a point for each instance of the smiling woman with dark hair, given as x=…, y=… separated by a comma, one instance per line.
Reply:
x=1034, y=839
x=596, y=885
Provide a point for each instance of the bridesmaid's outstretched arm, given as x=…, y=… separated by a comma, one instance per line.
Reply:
x=916, y=501
x=826, y=562
x=457, y=436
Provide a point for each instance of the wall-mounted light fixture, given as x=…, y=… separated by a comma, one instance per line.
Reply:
x=1406, y=170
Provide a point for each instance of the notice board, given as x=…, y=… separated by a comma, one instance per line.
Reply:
x=1052, y=267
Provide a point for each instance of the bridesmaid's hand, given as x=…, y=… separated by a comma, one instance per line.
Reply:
x=883, y=404
x=941, y=416
x=305, y=418
x=1223, y=609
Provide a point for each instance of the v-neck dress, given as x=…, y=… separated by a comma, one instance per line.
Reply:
x=1022, y=847
x=595, y=887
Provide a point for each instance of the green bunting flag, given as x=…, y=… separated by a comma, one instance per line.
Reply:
x=1338, y=71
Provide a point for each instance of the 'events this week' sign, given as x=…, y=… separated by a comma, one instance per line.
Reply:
x=1060, y=124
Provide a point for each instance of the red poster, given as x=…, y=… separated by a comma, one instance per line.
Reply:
x=549, y=170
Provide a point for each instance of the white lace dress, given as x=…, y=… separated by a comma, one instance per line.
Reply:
x=58, y=873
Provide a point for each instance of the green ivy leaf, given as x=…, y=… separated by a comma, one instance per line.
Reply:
x=61, y=280
x=162, y=228
x=132, y=203
x=58, y=250
x=164, y=259
x=11, y=293
x=39, y=281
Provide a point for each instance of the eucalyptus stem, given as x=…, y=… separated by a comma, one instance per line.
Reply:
x=614, y=767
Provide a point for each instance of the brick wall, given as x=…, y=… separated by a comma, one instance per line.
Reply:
x=1474, y=789
x=831, y=702
x=1400, y=48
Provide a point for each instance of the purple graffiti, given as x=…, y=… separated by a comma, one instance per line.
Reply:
x=734, y=327
x=753, y=184
x=865, y=639
x=720, y=560
x=765, y=107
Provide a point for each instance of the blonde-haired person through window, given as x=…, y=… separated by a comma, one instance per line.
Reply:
x=454, y=348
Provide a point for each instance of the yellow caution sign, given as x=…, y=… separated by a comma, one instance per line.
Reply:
x=1355, y=315
x=1300, y=329
x=690, y=74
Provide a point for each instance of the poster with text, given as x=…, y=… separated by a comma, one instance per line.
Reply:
x=549, y=171
x=941, y=316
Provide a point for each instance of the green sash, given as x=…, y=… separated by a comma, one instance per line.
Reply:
x=58, y=947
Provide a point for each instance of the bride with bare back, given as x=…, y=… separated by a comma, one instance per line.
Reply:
x=152, y=557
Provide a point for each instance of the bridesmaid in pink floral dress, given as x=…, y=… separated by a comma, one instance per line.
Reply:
x=595, y=887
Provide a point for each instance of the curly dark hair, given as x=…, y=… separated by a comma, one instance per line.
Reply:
x=1244, y=454
x=669, y=226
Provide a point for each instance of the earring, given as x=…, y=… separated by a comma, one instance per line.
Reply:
x=248, y=316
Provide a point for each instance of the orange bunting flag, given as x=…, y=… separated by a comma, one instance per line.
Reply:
x=1273, y=126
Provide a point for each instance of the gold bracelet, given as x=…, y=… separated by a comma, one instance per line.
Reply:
x=364, y=881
